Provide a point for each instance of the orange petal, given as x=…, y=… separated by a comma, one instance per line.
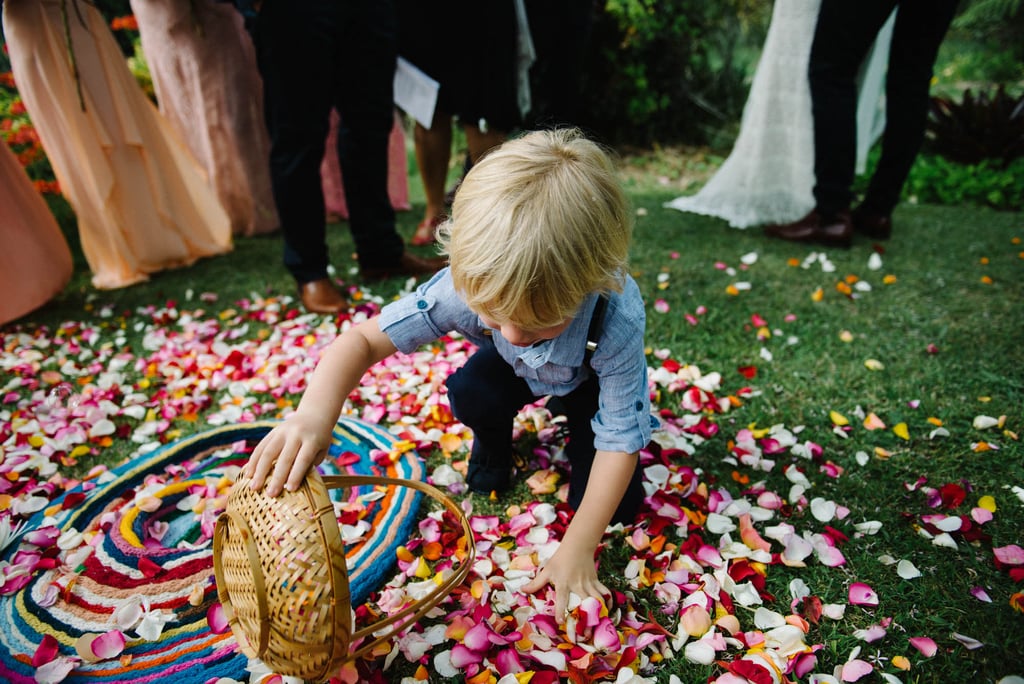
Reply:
x=873, y=422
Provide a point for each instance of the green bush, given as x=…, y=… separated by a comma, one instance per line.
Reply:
x=936, y=180
x=670, y=71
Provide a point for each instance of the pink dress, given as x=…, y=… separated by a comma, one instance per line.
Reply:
x=398, y=174
x=140, y=199
x=203, y=65
x=35, y=262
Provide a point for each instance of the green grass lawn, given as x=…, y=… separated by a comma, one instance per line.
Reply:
x=931, y=336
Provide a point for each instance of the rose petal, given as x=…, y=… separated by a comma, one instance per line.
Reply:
x=861, y=594
x=925, y=645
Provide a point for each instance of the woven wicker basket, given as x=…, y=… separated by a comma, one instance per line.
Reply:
x=282, y=579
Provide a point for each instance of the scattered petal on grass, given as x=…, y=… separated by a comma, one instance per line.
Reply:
x=925, y=645
x=873, y=422
x=1009, y=555
x=984, y=422
x=855, y=669
x=968, y=643
x=980, y=594
x=901, y=663
x=838, y=418
x=901, y=431
x=861, y=594
x=907, y=570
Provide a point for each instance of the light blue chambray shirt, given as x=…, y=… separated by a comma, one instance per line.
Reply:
x=623, y=421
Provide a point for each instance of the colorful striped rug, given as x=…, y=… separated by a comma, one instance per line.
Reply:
x=151, y=524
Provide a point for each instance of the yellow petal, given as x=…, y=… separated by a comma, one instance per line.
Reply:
x=988, y=503
x=881, y=453
x=889, y=279
x=901, y=431
x=846, y=336
x=817, y=295
x=901, y=663
x=874, y=365
x=838, y=418
x=935, y=421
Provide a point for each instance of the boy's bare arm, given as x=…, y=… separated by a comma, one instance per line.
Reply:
x=291, y=449
x=571, y=569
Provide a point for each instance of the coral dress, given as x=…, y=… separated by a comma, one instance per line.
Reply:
x=140, y=198
x=35, y=262
x=203, y=65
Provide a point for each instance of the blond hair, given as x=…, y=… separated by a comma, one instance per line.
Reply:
x=537, y=225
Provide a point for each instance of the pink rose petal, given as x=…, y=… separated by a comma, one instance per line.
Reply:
x=108, y=645
x=855, y=669
x=216, y=618
x=862, y=595
x=925, y=645
x=1009, y=555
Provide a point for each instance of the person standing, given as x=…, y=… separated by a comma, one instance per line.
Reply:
x=315, y=55
x=768, y=176
x=35, y=263
x=843, y=35
x=204, y=72
x=138, y=194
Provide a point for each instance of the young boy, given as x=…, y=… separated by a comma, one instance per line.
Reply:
x=537, y=246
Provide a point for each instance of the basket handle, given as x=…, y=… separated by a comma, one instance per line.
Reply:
x=415, y=611
x=220, y=531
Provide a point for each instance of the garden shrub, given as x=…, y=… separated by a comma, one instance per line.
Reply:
x=669, y=71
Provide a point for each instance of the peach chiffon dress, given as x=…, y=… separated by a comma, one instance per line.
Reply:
x=203, y=65
x=140, y=197
x=35, y=262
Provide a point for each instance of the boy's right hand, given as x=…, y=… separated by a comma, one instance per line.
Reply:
x=287, y=453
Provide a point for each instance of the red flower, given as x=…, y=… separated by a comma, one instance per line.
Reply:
x=126, y=23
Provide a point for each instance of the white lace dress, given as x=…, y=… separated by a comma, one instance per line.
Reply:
x=769, y=175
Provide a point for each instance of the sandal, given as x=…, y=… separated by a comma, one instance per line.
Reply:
x=426, y=232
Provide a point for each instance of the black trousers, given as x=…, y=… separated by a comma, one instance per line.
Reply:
x=844, y=33
x=314, y=55
x=485, y=395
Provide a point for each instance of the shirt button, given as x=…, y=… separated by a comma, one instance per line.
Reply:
x=639, y=405
x=422, y=304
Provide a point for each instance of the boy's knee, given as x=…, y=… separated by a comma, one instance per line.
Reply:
x=471, y=400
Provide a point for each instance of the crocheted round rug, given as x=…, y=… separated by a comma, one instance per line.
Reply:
x=150, y=524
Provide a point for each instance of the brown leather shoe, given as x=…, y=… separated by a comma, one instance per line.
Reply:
x=876, y=226
x=322, y=296
x=836, y=232
x=408, y=265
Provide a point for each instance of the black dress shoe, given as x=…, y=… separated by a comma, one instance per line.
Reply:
x=836, y=231
x=408, y=265
x=876, y=226
x=322, y=296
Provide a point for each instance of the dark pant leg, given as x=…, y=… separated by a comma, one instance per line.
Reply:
x=365, y=72
x=920, y=27
x=295, y=43
x=580, y=406
x=844, y=33
x=485, y=396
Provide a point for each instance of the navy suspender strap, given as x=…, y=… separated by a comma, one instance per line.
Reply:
x=596, y=323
